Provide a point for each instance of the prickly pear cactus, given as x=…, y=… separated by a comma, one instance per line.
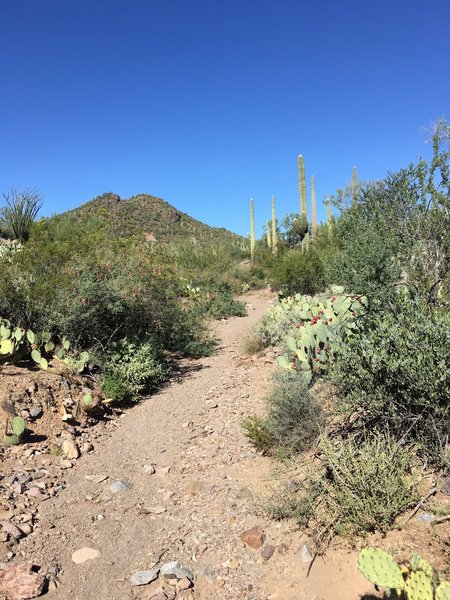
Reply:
x=323, y=324
x=11, y=439
x=420, y=564
x=18, y=426
x=419, y=586
x=381, y=569
x=442, y=591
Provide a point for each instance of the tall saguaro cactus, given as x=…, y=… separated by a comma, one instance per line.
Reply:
x=269, y=238
x=252, y=229
x=313, y=208
x=354, y=185
x=302, y=188
x=329, y=217
x=274, y=228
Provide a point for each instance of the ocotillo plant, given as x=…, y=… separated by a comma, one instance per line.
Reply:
x=313, y=208
x=274, y=228
x=252, y=229
x=354, y=185
x=302, y=187
x=269, y=239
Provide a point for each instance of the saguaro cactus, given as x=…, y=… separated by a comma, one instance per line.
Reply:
x=269, y=238
x=302, y=188
x=313, y=208
x=329, y=217
x=274, y=228
x=252, y=229
x=354, y=185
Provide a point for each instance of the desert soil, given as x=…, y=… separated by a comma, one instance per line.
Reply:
x=204, y=493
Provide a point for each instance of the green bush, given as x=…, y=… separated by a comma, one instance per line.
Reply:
x=220, y=302
x=75, y=281
x=133, y=370
x=256, y=430
x=367, y=483
x=398, y=233
x=394, y=372
x=299, y=272
x=294, y=418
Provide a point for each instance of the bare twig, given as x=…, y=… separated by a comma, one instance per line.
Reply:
x=422, y=501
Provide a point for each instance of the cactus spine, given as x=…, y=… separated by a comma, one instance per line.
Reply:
x=274, y=228
x=302, y=188
x=354, y=185
x=313, y=208
x=252, y=229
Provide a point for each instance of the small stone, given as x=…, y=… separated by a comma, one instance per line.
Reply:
x=36, y=494
x=158, y=510
x=6, y=514
x=120, y=486
x=96, y=478
x=267, y=551
x=211, y=404
x=163, y=471
x=174, y=569
x=19, y=582
x=26, y=528
x=87, y=447
x=445, y=488
x=64, y=463
x=18, y=488
x=149, y=469
x=35, y=412
x=12, y=530
x=157, y=594
x=425, y=518
x=253, y=537
x=144, y=577
x=183, y=584
x=305, y=553
x=70, y=450
x=84, y=554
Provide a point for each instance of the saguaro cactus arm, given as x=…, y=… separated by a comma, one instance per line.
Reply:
x=252, y=229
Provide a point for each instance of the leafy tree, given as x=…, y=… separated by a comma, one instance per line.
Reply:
x=398, y=233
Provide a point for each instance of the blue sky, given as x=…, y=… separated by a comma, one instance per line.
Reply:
x=208, y=103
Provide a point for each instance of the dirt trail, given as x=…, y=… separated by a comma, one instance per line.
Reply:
x=195, y=506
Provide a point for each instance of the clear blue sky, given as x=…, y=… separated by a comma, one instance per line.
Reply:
x=207, y=103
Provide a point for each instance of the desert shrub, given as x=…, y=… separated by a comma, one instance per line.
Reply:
x=252, y=344
x=294, y=418
x=299, y=272
x=134, y=369
x=219, y=302
x=294, y=502
x=395, y=372
x=256, y=430
x=76, y=281
x=252, y=278
x=367, y=483
x=398, y=233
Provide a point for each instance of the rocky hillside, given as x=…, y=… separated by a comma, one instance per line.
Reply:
x=154, y=218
